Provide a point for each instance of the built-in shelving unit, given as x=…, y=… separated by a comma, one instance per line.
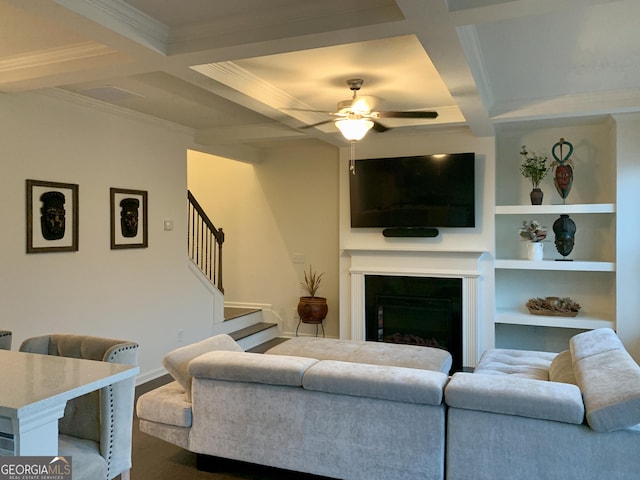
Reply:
x=555, y=209
x=555, y=265
x=588, y=275
x=520, y=318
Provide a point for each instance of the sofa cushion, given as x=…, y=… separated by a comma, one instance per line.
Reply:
x=176, y=362
x=373, y=353
x=166, y=404
x=561, y=369
x=251, y=367
x=609, y=379
x=376, y=381
x=519, y=363
x=592, y=342
x=511, y=395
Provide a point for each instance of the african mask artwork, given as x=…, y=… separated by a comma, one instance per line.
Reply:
x=563, y=165
x=52, y=219
x=129, y=217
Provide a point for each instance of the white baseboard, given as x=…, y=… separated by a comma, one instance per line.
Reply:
x=152, y=375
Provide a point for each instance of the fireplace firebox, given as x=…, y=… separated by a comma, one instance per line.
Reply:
x=423, y=311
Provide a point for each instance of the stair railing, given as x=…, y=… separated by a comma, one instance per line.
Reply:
x=205, y=243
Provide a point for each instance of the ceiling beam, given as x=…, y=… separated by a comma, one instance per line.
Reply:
x=439, y=36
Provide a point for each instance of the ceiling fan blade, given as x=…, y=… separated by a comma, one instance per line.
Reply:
x=407, y=114
x=378, y=127
x=316, y=124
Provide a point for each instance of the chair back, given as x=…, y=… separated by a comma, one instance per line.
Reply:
x=104, y=416
x=5, y=340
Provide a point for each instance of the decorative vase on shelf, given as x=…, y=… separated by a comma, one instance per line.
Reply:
x=565, y=230
x=536, y=196
x=535, y=251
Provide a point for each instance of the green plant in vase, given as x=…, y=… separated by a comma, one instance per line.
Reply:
x=534, y=167
x=533, y=232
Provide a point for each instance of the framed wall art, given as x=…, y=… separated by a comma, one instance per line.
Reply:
x=128, y=218
x=52, y=217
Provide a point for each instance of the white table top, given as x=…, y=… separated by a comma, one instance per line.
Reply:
x=30, y=382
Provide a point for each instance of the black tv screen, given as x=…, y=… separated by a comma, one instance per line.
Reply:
x=420, y=191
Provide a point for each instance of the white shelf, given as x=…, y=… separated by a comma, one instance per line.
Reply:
x=594, y=275
x=517, y=317
x=564, y=266
x=555, y=209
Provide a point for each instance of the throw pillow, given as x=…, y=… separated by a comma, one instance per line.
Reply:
x=561, y=369
x=177, y=361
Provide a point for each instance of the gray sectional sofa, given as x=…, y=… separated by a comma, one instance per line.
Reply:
x=530, y=415
x=364, y=410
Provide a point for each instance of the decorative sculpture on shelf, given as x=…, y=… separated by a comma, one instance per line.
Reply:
x=565, y=230
x=563, y=179
x=554, y=306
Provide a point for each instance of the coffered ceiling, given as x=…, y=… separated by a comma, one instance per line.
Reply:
x=240, y=74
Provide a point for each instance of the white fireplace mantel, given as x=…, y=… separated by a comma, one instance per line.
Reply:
x=437, y=264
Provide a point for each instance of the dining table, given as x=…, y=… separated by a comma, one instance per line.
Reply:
x=34, y=390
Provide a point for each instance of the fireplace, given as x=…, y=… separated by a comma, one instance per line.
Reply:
x=460, y=267
x=421, y=311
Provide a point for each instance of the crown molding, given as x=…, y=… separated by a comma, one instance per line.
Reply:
x=470, y=42
x=104, y=107
x=67, y=53
x=622, y=101
x=120, y=17
x=257, y=89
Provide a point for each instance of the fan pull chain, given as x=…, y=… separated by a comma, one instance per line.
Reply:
x=352, y=163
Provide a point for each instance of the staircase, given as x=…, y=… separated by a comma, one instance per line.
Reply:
x=245, y=324
x=248, y=327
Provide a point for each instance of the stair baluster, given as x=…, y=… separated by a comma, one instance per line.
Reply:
x=203, y=238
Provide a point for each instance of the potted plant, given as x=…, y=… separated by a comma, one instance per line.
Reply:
x=311, y=308
x=533, y=232
x=534, y=167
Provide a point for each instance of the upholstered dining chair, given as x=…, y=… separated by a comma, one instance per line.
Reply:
x=5, y=340
x=96, y=428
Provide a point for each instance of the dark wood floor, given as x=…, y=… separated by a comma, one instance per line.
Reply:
x=154, y=459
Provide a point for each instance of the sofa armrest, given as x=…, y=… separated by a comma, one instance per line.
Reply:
x=376, y=381
x=165, y=404
x=251, y=367
x=516, y=396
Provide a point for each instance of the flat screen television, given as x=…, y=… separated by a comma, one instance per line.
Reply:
x=417, y=191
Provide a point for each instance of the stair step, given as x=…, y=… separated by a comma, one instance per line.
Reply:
x=251, y=330
x=234, y=312
x=263, y=347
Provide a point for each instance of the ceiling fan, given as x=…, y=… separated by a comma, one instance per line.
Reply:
x=354, y=117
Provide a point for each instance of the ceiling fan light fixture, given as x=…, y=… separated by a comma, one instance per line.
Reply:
x=354, y=129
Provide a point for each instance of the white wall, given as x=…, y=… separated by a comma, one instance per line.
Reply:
x=478, y=239
x=628, y=253
x=286, y=206
x=145, y=295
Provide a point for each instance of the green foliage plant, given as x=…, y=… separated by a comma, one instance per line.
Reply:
x=532, y=231
x=534, y=166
